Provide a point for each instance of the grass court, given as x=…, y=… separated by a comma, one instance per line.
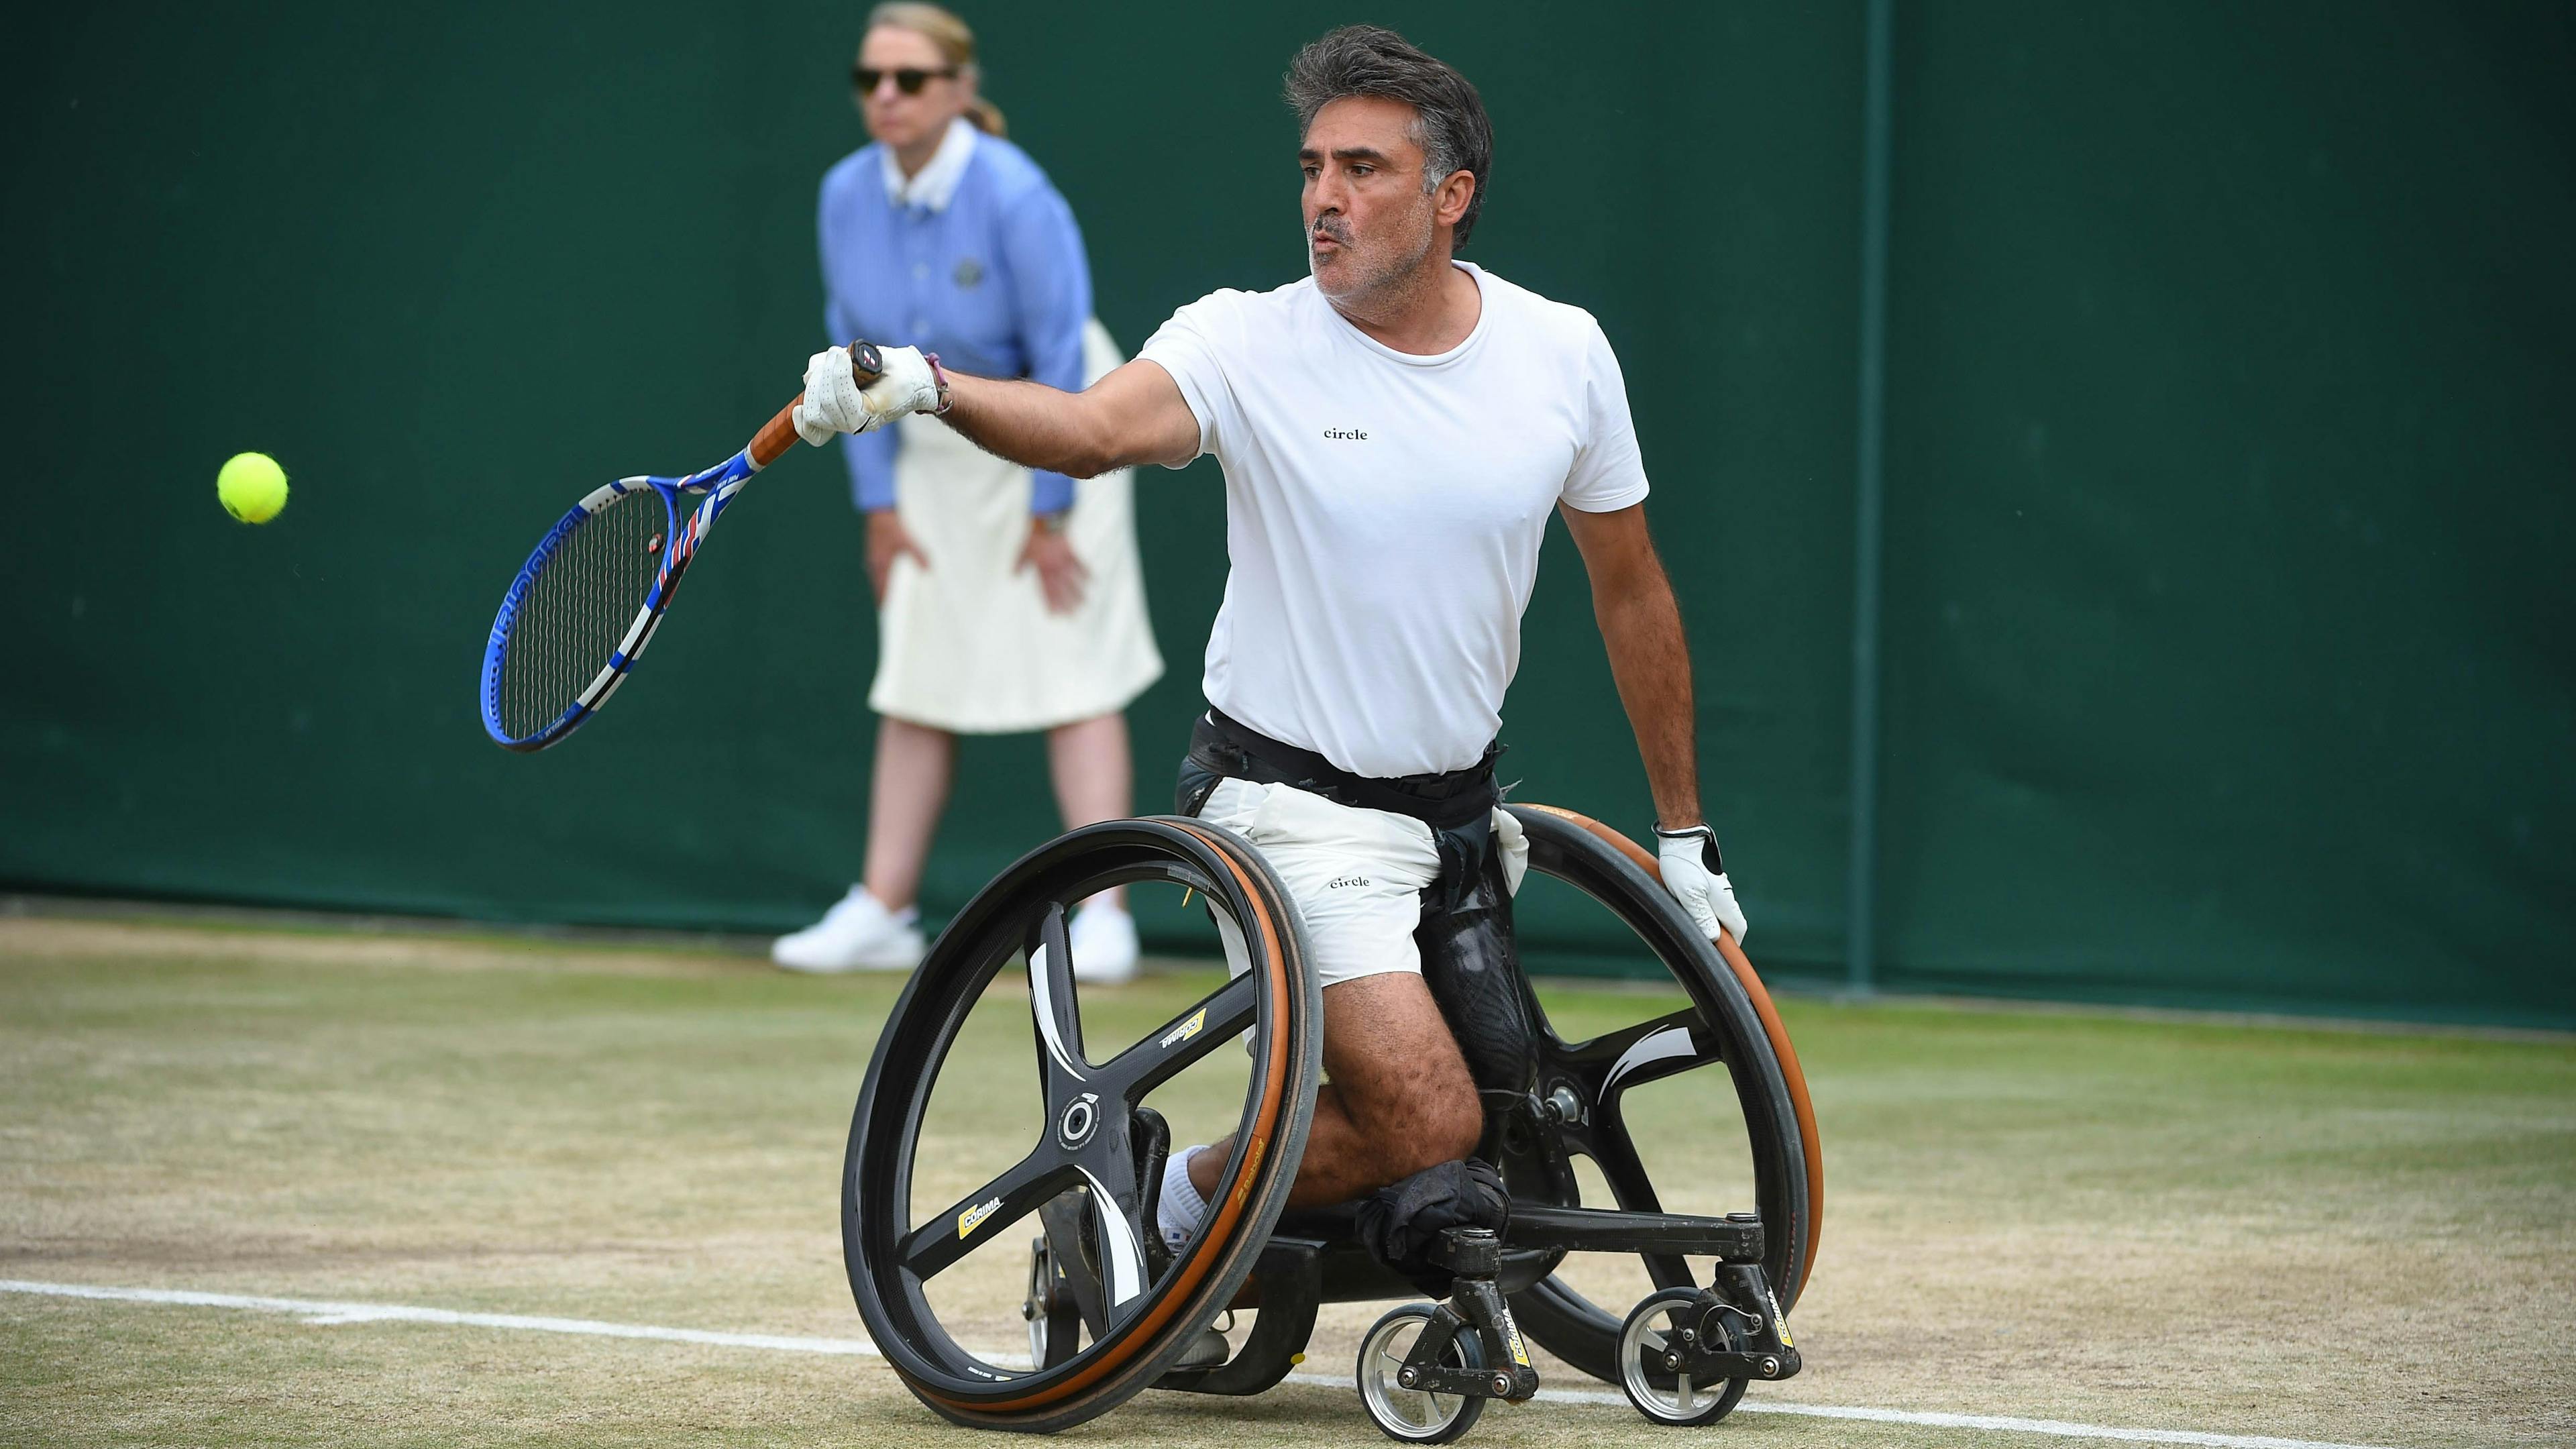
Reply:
x=2116, y=1221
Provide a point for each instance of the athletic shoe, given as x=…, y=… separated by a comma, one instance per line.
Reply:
x=1103, y=937
x=856, y=934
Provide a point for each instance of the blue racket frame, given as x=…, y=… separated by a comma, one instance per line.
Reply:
x=719, y=484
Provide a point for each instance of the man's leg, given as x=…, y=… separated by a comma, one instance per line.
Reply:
x=1399, y=1099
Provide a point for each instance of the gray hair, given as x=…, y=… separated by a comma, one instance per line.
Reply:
x=1448, y=116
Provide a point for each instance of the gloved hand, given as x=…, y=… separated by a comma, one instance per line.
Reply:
x=1696, y=875
x=835, y=403
x=1513, y=842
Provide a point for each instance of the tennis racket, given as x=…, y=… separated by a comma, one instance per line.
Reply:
x=581, y=611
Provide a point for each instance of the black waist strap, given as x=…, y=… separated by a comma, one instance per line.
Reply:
x=1447, y=801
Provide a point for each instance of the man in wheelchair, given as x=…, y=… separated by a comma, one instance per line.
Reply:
x=1394, y=431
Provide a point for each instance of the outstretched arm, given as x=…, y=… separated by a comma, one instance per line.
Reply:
x=1134, y=415
x=1642, y=627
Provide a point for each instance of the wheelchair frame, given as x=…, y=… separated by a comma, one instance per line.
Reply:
x=1091, y=1180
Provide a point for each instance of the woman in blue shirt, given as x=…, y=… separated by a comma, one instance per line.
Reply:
x=1008, y=601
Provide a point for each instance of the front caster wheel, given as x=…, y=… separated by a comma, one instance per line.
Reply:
x=1655, y=1347
x=1414, y=1416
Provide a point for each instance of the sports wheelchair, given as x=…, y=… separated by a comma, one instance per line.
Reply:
x=1111, y=1312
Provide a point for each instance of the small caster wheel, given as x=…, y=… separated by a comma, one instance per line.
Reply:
x=1414, y=1416
x=1661, y=1327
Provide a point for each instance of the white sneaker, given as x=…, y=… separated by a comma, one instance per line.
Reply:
x=857, y=934
x=1103, y=939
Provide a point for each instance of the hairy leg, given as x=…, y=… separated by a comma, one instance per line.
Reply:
x=905, y=797
x=1400, y=1099
x=1095, y=775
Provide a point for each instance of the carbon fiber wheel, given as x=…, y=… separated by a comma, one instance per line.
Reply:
x=1728, y=1046
x=1090, y=1176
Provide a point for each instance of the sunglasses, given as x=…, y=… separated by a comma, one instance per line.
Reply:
x=907, y=80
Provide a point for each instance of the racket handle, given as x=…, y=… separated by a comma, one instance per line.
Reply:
x=779, y=434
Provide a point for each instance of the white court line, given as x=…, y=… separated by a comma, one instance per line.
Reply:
x=318, y=1311
x=313, y=1311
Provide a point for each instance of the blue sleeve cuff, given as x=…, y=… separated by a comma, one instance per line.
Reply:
x=1048, y=492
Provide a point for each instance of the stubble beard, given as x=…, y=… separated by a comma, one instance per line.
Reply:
x=1372, y=277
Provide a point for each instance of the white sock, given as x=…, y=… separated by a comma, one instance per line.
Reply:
x=1181, y=1207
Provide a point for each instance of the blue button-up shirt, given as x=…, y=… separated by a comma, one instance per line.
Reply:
x=977, y=260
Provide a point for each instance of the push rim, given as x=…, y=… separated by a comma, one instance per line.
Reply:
x=1151, y=1314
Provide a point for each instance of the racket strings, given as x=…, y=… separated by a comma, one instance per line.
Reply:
x=578, y=609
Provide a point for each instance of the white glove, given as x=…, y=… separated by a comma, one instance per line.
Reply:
x=1513, y=841
x=1696, y=875
x=835, y=403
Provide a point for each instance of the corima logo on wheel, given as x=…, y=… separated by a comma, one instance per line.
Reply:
x=1185, y=1030
x=973, y=1218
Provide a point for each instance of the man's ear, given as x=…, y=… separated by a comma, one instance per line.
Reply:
x=1452, y=197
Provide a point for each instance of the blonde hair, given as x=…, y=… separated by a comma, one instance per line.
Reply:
x=941, y=27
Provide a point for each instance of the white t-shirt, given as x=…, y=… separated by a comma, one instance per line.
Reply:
x=1384, y=511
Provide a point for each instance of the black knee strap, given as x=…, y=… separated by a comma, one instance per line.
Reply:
x=1402, y=1222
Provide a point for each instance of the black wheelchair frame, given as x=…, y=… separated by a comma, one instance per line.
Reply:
x=1098, y=1266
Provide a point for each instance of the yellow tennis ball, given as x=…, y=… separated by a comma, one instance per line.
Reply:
x=252, y=487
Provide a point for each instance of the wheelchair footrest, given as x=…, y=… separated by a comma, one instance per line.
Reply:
x=1736, y=1238
x=1290, y=1276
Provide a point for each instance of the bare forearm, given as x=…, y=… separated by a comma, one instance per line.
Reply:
x=1642, y=627
x=1030, y=424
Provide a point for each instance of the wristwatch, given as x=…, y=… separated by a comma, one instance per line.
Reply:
x=1047, y=522
x=939, y=378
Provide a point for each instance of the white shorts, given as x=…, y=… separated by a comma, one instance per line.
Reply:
x=1355, y=875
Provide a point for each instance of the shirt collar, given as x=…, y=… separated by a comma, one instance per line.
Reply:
x=937, y=182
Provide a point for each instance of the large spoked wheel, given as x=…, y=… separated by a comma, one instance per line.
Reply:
x=1729, y=1028
x=1089, y=1176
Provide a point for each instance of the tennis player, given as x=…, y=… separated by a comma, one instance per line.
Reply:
x=1394, y=429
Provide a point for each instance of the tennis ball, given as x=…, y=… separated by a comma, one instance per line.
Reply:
x=252, y=487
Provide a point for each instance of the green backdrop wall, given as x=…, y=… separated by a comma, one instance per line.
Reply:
x=2229, y=446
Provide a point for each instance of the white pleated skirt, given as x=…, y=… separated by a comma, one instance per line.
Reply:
x=967, y=644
